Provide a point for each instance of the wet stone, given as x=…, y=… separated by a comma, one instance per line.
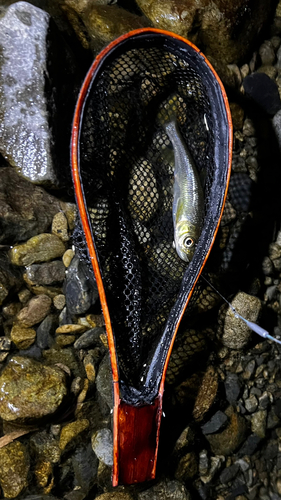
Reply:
x=41, y=248
x=232, y=387
x=89, y=338
x=70, y=329
x=115, y=495
x=30, y=390
x=45, y=446
x=35, y=311
x=46, y=274
x=85, y=467
x=215, y=424
x=22, y=337
x=229, y=473
x=24, y=295
x=14, y=468
x=207, y=393
x=251, y=403
x=227, y=441
x=65, y=340
x=165, y=490
x=250, y=445
x=104, y=381
x=45, y=331
x=10, y=278
x=70, y=431
x=236, y=333
x=59, y=301
x=258, y=423
x=67, y=257
x=89, y=368
x=25, y=209
x=59, y=226
x=80, y=291
x=102, y=444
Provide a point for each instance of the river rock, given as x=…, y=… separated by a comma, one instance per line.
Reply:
x=206, y=394
x=102, y=444
x=89, y=338
x=14, y=468
x=22, y=337
x=225, y=31
x=37, y=78
x=165, y=490
x=227, y=441
x=85, y=466
x=115, y=495
x=232, y=387
x=30, y=390
x=236, y=334
x=45, y=274
x=104, y=23
x=45, y=331
x=40, y=248
x=187, y=467
x=59, y=226
x=104, y=381
x=217, y=421
x=25, y=209
x=35, y=311
x=80, y=290
x=71, y=431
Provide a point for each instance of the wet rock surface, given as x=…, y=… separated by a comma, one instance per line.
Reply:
x=30, y=390
x=29, y=125
x=14, y=468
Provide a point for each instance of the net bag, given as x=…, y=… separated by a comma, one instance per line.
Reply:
x=123, y=174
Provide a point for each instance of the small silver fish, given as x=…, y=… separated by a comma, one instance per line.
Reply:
x=188, y=205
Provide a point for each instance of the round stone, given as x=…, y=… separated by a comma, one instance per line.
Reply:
x=22, y=337
x=40, y=248
x=59, y=226
x=102, y=445
x=35, y=311
x=70, y=431
x=30, y=390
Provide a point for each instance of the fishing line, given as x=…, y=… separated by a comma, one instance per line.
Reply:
x=254, y=327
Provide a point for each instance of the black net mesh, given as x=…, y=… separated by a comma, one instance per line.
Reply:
x=127, y=171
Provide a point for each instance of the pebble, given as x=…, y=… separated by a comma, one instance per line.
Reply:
x=35, y=311
x=80, y=291
x=70, y=431
x=45, y=447
x=89, y=338
x=236, y=333
x=165, y=490
x=258, y=423
x=22, y=337
x=251, y=403
x=89, y=368
x=40, y=248
x=248, y=128
x=250, y=446
x=207, y=393
x=65, y=340
x=85, y=467
x=71, y=329
x=102, y=444
x=30, y=390
x=115, y=495
x=267, y=53
x=67, y=257
x=232, y=387
x=14, y=468
x=45, y=331
x=45, y=274
x=227, y=441
x=59, y=301
x=229, y=473
x=59, y=226
x=216, y=423
x=24, y=295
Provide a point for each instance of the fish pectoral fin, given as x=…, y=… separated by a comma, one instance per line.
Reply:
x=174, y=245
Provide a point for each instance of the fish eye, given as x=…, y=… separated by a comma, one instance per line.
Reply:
x=188, y=242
